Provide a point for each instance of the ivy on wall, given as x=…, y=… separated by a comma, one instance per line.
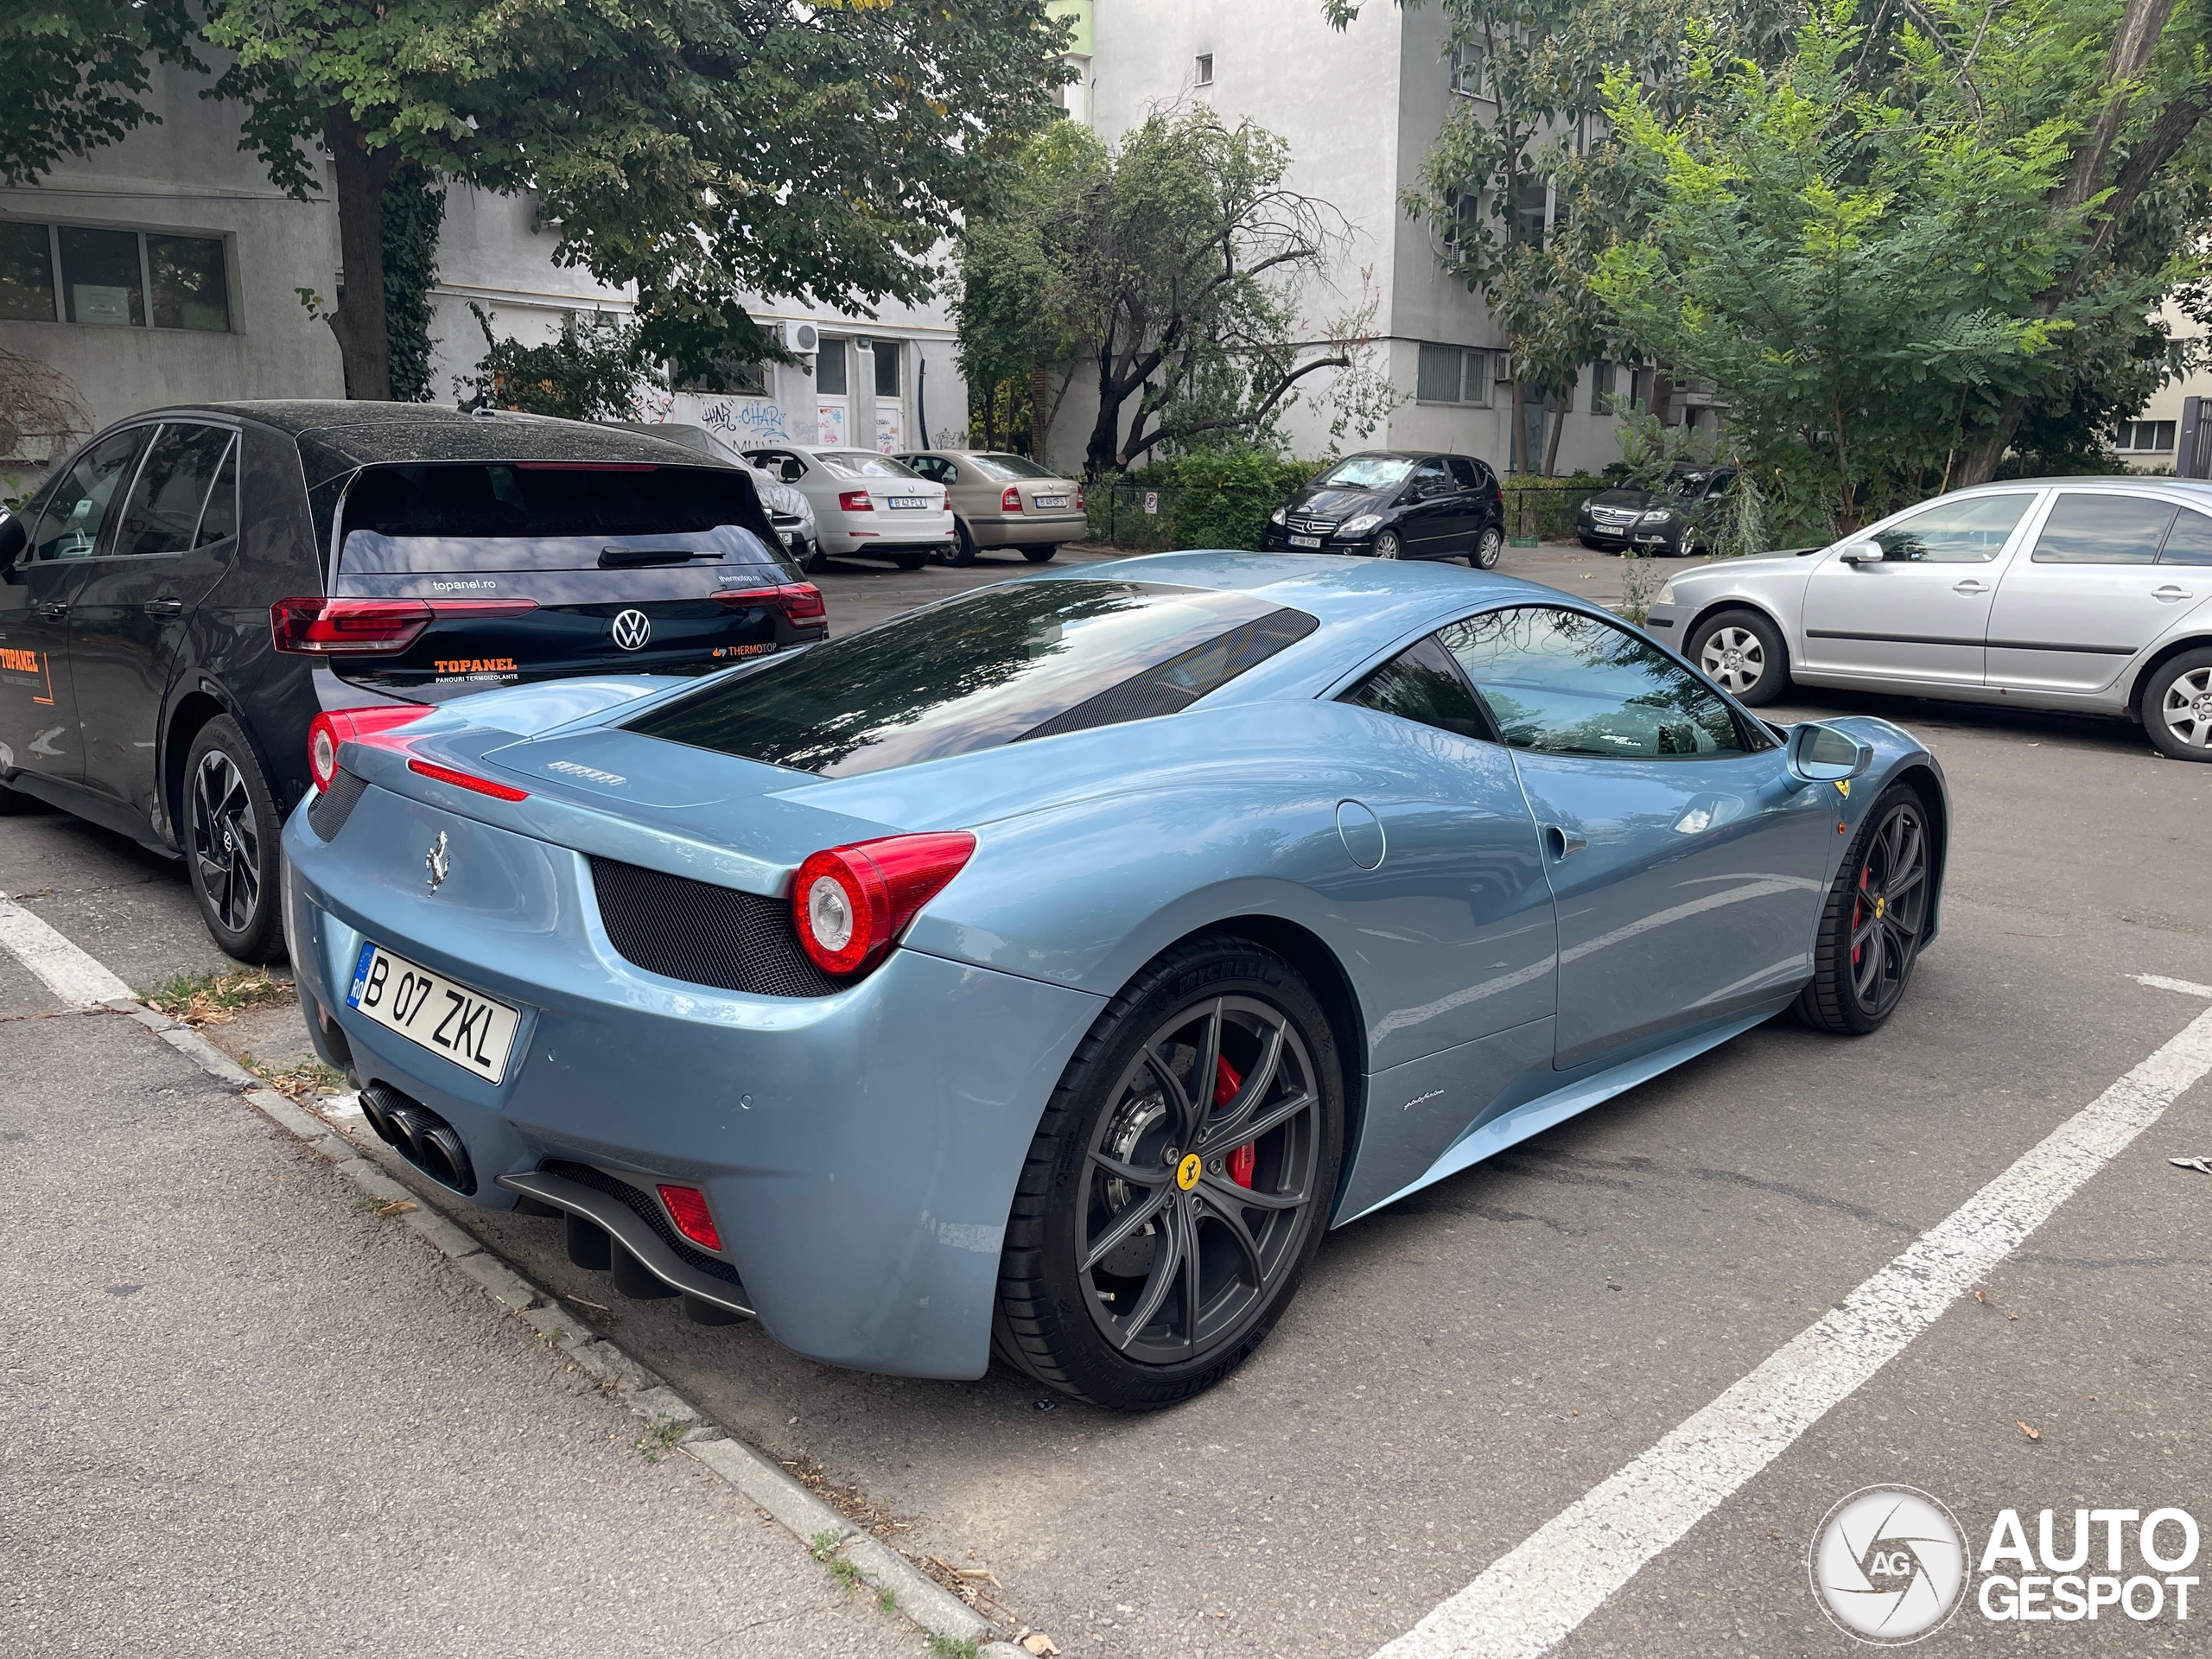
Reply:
x=414, y=209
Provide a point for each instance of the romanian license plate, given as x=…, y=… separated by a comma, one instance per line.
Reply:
x=1305, y=541
x=906, y=503
x=1050, y=500
x=432, y=1012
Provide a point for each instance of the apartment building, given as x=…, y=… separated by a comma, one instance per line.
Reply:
x=1359, y=111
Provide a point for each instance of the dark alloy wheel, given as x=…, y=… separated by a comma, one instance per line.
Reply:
x=1875, y=919
x=231, y=843
x=1178, y=1184
x=1489, y=548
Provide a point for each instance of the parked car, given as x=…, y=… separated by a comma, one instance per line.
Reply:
x=866, y=506
x=1397, y=505
x=2092, y=595
x=1042, y=972
x=791, y=513
x=1669, y=522
x=1004, y=500
x=186, y=593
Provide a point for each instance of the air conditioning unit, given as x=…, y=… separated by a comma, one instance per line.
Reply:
x=805, y=340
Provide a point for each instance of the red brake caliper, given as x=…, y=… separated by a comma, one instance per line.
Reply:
x=1226, y=1081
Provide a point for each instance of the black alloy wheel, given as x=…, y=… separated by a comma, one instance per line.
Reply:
x=1876, y=916
x=1389, y=545
x=1489, y=548
x=232, y=851
x=1178, y=1184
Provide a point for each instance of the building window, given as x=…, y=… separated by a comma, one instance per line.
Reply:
x=886, y=369
x=1470, y=62
x=1531, y=211
x=113, y=279
x=829, y=369
x=1601, y=388
x=1205, y=69
x=1451, y=374
x=726, y=377
x=2144, y=437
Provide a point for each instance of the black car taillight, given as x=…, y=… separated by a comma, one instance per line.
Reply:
x=316, y=626
x=799, y=601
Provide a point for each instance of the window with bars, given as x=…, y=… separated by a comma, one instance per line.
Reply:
x=1451, y=374
x=2144, y=437
x=99, y=277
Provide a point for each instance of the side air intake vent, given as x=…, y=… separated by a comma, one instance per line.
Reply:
x=704, y=934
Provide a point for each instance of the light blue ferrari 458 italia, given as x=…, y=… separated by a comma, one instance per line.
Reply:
x=1042, y=972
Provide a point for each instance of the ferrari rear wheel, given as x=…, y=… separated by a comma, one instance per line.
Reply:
x=1875, y=919
x=1179, y=1182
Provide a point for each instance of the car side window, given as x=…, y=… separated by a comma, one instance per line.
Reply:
x=936, y=470
x=2189, y=541
x=1462, y=473
x=2090, y=528
x=76, y=511
x=1421, y=683
x=1431, y=480
x=219, y=520
x=1972, y=531
x=162, y=513
x=1562, y=683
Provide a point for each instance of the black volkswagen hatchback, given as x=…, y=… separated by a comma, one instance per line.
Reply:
x=1395, y=503
x=186, y=593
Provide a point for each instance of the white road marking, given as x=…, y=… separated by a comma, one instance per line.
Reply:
x=1537, y=1594
x=71, y=974
x=2186, y=987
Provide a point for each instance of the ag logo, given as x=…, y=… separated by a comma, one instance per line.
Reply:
x=632, y=629
x=1889, y=1565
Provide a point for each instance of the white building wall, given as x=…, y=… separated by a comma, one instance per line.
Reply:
x=187, y=174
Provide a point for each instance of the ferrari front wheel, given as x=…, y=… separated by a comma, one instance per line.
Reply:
x=1875, y=919
x=1179, y=1182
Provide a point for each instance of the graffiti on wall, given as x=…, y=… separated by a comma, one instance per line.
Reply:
x=745, y=421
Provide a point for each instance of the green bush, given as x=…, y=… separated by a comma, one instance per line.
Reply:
x=1222, y=498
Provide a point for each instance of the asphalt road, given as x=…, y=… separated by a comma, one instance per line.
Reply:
x=1455, y=1372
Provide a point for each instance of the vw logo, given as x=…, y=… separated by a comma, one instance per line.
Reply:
x=632, y=629
x=1889, y=1565
x=438, y=862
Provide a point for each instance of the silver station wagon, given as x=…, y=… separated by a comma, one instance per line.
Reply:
x=2081, y=593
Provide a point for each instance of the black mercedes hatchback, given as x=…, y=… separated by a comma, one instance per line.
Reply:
x=183, y=596
x=1391, y=504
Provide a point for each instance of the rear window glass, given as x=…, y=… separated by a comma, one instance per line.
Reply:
x=1005, y=469
x=1028, y=659
x=535, y=499
x=858, y=463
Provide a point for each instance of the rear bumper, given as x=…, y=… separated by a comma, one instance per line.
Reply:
x=859, y=1151
x=892, y=533
x=1029, y=530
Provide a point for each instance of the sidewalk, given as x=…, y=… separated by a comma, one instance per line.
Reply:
x=240, y=1415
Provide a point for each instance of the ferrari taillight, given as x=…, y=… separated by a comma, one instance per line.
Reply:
x=336, y=726
x=850, y=903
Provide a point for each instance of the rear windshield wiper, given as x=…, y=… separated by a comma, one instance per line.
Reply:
x=632, y=558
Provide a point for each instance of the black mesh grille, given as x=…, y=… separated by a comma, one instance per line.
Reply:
x=650, y=1213
x=704, y=934
x=327, y=812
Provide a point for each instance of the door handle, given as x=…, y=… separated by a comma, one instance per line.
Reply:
x=166, y=605
x=1970, y=586
x=1562, y=844
x=2169, y=593
x=53, y=610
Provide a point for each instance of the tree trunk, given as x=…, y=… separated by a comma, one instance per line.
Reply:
x=1517, y=456
x=358, y=318
x=1551, y=444
x=1102, y=454
x=1040, y=380
x=1662, y=396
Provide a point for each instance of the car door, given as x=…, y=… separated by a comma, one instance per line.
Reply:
x=38, y=707
x=2093, y=593
x=164, y=550
x=1921, y=612
x=1688, y=868
x=1428, y=522
x=1470, y=502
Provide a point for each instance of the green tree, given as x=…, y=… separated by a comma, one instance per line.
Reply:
x=1170, y=272
x=699, y=149
x=587, y=372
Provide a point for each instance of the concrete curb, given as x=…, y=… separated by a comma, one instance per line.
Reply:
x=758, y=1479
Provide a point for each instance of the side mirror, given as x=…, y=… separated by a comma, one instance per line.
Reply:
x=1860, y=553
x=1821, y=754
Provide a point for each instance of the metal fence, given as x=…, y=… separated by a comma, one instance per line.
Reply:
x=1543, y=509
x=1139, y=516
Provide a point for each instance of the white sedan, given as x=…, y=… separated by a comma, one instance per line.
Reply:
x=865, y=505
x=2092, y=595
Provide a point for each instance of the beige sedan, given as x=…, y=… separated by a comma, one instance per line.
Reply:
x=1003, y=500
